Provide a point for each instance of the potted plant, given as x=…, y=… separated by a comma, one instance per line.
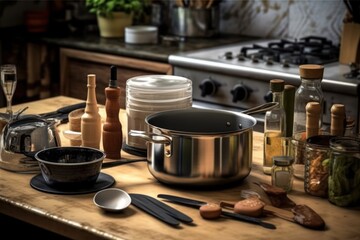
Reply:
x=114, y=15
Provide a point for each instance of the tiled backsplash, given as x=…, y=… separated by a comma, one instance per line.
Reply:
x=283, y=18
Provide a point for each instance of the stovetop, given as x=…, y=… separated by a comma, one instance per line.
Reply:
x=315, y=50
x=237, y=75
x=262, y=56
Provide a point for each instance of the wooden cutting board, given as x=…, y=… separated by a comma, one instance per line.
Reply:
x=350, y=44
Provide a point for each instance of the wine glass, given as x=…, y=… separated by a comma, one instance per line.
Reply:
x=8, y=83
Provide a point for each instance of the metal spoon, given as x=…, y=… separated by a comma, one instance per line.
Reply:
x=112, y=199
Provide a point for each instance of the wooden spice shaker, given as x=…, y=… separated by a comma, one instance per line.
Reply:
x=112, y=129
x=91, y=119
x=338, y=120
x=312, y=119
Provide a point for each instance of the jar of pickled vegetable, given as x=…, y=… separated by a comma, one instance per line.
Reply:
x=344, y=171
x=317, y=156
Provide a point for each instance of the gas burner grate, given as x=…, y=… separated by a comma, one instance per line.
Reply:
x=307, y=50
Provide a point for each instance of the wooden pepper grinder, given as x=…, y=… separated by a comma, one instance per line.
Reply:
x=312, y=119
x=112, y=129
x=338, y=120
x=91, y=119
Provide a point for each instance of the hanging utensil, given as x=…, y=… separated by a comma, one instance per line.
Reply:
x=209, y=4
x=179, y=3
x=186, y=3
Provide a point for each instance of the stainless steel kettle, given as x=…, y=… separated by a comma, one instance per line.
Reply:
x=22, y=138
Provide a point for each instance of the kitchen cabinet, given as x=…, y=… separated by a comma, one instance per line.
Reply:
x=76, y=64
x=37, y=68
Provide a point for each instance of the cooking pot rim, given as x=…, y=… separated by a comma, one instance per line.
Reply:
x=72, y=148
x=200, y=133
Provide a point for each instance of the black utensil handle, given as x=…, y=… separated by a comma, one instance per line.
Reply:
x=248, y=219
x=170, y=210
x=70, y=108
x=181, y=200
x=155, y=213
x=121, y=162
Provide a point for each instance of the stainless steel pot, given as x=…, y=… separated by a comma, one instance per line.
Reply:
x=198, y=147
x=21, y=139
x=191, y=22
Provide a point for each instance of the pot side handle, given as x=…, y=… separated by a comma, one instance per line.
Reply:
x=261, y=108
x=151, y=137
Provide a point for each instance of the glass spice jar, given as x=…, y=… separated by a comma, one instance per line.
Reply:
x=309, y=91
x=317, y=156
x=282, y=172
x=344, y=171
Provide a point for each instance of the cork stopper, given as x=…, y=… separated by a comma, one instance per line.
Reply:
x=91, y=79
x=277, y=85
x=311, y=71
x=338, y=119
x=312, y=119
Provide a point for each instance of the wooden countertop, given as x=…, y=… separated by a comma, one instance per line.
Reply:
x=76, y=216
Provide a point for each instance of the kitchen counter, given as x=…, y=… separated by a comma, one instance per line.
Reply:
x=152, y=52
x=76, y=217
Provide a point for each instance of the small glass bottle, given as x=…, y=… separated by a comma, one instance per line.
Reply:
x=274, y=126
x=288, y=102
x=344, y=171
x=309, y=91
x=282, y=172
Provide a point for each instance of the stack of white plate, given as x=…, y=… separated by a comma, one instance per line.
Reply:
x=150, y=94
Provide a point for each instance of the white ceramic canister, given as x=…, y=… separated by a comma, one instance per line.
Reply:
x=141, y=34
x=149, y=94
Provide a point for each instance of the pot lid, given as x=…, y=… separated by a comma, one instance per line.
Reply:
x=140, y=29
x=158, y=83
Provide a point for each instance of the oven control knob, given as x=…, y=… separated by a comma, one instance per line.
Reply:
x=254, y=59
x=240, y=93
x=268, y=96
x=228, y=55
x=208, y=87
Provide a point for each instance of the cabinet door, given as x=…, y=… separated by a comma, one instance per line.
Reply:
x=75, y=65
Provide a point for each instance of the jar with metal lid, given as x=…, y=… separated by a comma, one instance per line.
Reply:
x=317, y=157
x=282, y=172
x=344, y=171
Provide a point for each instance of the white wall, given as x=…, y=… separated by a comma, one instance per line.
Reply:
x=283, y=18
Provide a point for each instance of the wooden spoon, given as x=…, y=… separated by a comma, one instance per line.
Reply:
x=252, y=206
x=179, y=3
x=301, y=214
x=209, y=3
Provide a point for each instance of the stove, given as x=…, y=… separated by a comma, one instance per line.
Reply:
x=236, y=77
